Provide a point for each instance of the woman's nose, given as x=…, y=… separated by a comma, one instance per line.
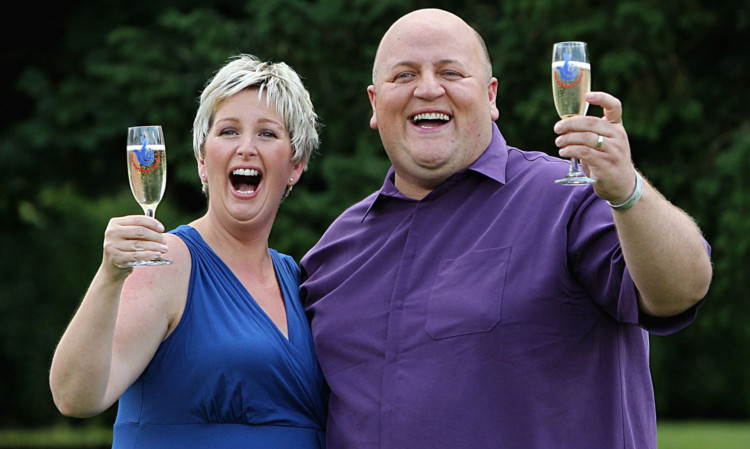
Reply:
x=247, y=148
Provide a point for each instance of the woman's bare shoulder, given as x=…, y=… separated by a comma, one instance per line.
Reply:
x=163, y=287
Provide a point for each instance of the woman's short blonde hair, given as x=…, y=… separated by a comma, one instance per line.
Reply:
x=284, y=91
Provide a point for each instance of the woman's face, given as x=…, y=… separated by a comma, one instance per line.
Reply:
x=247, y=159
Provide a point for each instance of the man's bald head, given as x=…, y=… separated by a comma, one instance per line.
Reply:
x=432, y=16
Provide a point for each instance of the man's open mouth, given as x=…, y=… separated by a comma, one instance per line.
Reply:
x=245, y=180
x=430, y=119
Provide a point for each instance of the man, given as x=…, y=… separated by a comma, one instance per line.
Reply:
x=472, y=302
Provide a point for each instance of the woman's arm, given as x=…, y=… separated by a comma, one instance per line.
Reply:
x=124, y=316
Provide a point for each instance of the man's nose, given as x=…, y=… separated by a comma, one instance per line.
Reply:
x=429, y=86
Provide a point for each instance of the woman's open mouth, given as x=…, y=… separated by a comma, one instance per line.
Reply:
x=245, y=180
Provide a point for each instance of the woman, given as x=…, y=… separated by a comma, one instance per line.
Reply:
x=214, y=350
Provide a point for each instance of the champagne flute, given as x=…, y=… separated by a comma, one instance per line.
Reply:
x=571, y=81
x=147, y=171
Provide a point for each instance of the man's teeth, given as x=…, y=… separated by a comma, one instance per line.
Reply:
x=245, y=172
x=432, y=116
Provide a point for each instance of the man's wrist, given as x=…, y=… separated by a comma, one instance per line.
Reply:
x=634, y=197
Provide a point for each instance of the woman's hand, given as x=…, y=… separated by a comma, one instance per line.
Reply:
x=131, y=239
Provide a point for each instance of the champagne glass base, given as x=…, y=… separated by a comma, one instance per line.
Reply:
x=575, y=180
x=152, y=262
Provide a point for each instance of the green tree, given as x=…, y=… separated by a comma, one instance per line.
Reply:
x=97, y=67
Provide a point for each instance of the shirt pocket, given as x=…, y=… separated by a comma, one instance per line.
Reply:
x=467, y=293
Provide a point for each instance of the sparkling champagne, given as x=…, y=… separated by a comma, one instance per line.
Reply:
x=571, y=81
x=147, y=170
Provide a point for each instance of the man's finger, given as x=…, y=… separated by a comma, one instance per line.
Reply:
x=610, y=105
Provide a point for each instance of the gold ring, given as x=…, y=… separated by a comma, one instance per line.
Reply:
x=599, y=141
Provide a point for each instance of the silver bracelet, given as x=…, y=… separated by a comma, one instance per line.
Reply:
x=634, y=198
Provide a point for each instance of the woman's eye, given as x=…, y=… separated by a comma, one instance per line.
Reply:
x=227, y=132
x=269, y=134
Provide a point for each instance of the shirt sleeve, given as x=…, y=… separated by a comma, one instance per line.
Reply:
x=597, y=262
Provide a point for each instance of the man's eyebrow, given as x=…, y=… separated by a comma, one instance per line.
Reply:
x=449, y=61
x=407, y=63
x=410, y=63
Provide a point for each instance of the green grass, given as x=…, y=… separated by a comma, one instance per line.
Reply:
x=57, y=437
x=672, y=435
x=704, y=435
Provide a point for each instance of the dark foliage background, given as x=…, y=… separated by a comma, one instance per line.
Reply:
x=77, y=75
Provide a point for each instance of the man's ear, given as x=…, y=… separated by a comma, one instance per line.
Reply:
x=492, y=93
x=374, y=118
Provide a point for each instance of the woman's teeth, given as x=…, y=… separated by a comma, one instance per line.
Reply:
x=245, y=172
x=245, y=180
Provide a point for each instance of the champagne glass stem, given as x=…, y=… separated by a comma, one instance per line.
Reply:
x=575, y=169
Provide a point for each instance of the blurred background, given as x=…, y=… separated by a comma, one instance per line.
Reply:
x=78, y=73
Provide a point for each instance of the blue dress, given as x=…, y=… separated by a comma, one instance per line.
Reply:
x=227, y=377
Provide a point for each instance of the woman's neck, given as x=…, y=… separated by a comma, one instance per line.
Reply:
x=240, y=247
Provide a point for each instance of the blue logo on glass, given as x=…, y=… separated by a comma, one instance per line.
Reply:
x=145, y=155
x=568, y=72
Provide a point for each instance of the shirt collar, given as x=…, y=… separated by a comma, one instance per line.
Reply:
x=491, y=163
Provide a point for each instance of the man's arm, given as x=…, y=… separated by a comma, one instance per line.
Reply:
x=665, y=254
x=663, y=247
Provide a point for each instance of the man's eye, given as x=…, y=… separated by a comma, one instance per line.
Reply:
x=403, y=76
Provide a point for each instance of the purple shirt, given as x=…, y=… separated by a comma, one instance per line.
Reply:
x=497, y=312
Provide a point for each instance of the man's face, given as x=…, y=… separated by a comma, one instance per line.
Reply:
x=432, y=102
